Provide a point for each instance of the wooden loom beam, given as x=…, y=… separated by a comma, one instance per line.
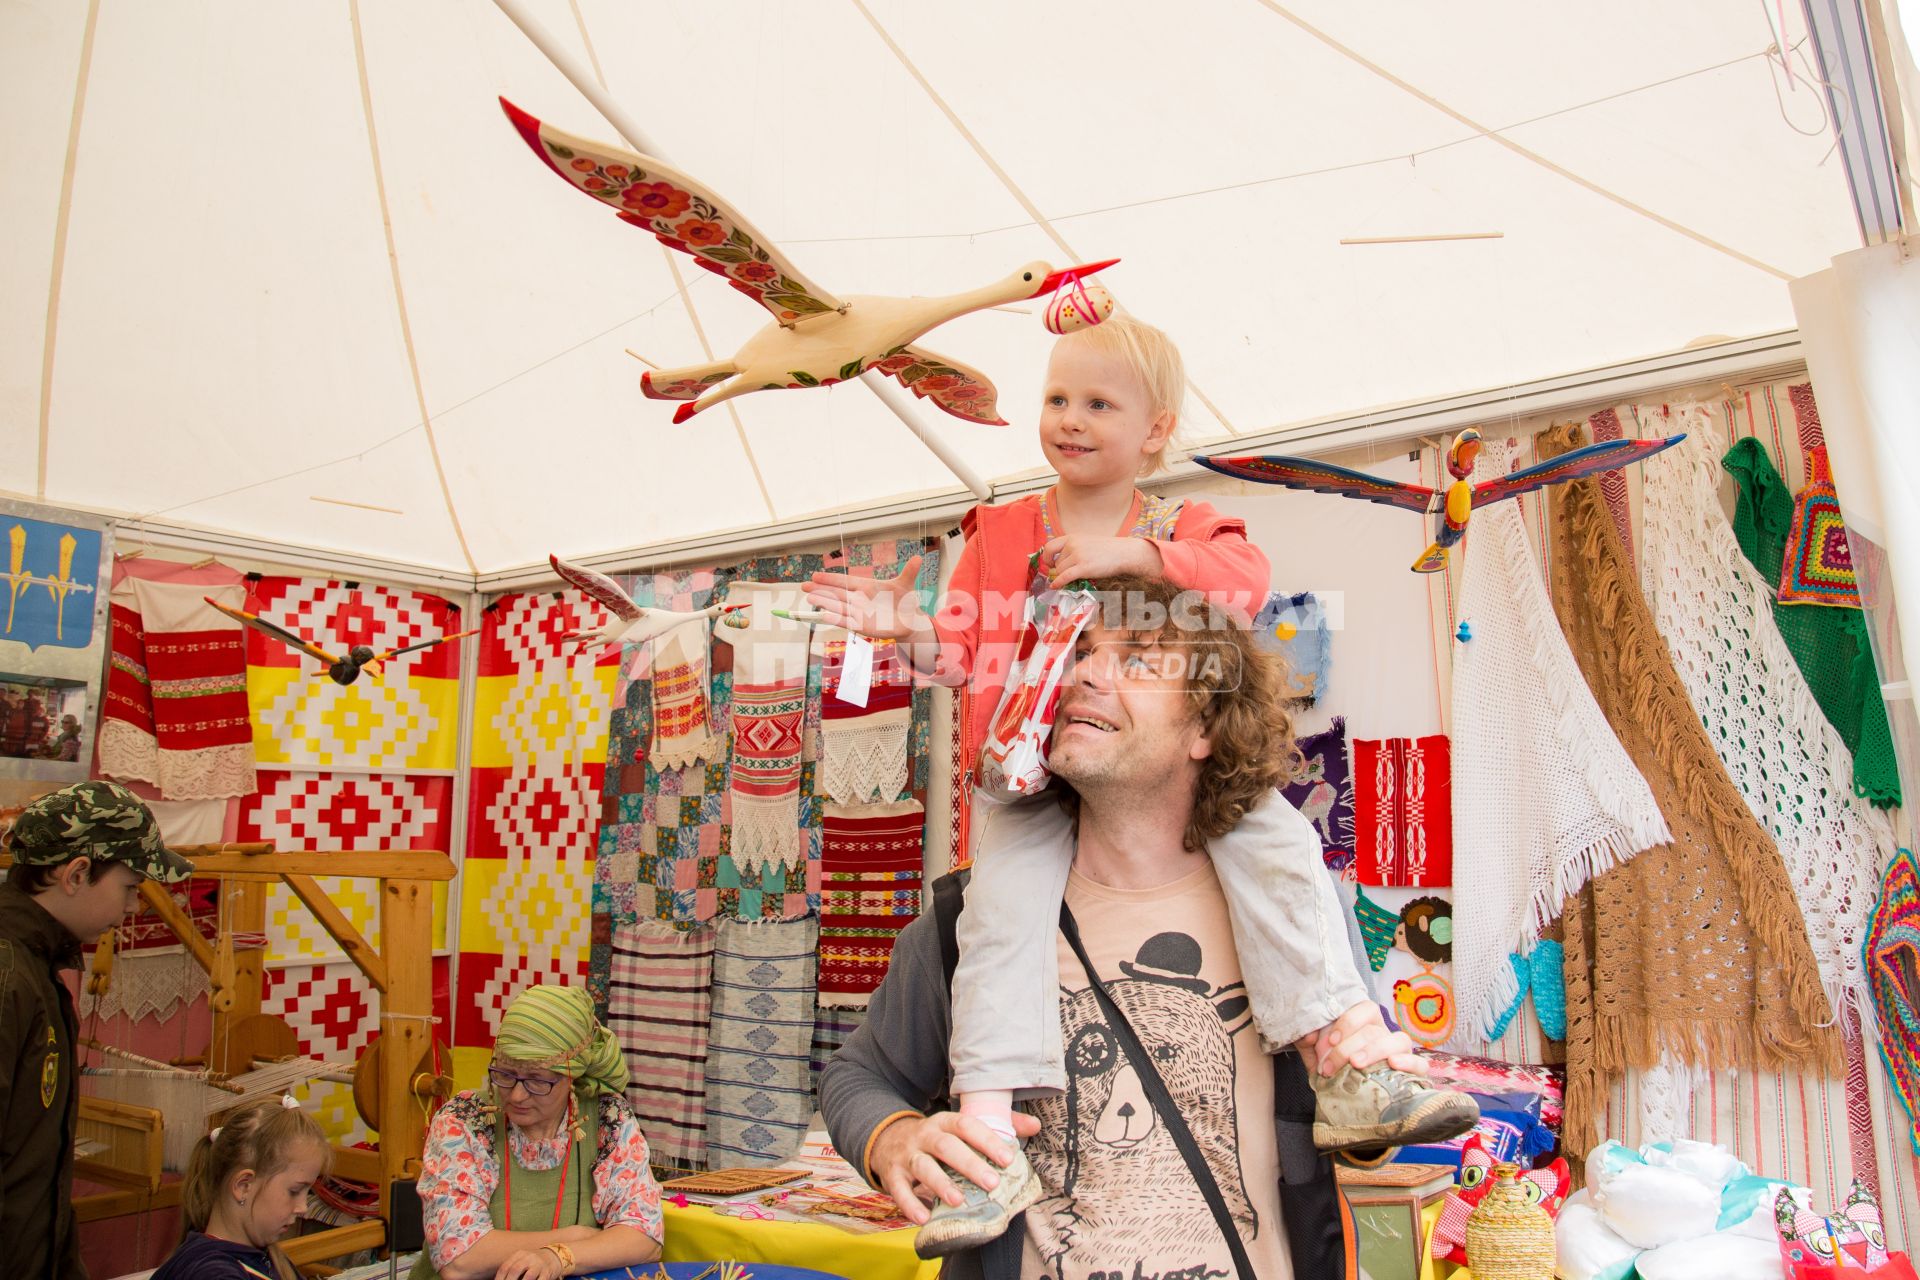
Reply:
x=335, y=922
x=406, y=1030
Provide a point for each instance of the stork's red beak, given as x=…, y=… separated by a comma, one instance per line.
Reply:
x=1070, y=274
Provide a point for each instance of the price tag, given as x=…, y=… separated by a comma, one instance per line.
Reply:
x=856, y=670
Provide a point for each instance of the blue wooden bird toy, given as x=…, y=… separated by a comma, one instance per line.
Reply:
x=1451, y=507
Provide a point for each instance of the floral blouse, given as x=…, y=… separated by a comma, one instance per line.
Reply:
x=460, y=1169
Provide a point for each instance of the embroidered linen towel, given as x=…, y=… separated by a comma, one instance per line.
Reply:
x=682, y=721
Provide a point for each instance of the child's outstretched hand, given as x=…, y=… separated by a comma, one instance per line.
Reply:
x=1074, y=556
x=882, y=608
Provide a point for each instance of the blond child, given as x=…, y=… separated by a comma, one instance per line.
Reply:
x=1109, y=412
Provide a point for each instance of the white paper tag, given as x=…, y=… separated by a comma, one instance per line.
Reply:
x=856, y=670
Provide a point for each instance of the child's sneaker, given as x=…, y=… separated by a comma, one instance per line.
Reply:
x=1380, y=1107
x=983, y=1216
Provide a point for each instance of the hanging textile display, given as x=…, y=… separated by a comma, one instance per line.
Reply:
x=1893, y=970
x=539, y=756
x=863, y=746
x=1694, y=948
x=408, y=719
x=682, y=725
x=1402, y=808
x=870, y=872
x=1715, y=612
x=667, y=847
x=175, y=714
x=659, y=1002
x=1545, y=798
x=1829, y=644
x=1322, y=790
x=758, y=1095
x=1295, y=627
x=769, y=707
x=1818, y=565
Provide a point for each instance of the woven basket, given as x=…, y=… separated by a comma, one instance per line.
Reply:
x=1509, y=1237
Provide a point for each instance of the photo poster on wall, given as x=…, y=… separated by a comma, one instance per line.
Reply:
x=664, y=850
x=53, y=644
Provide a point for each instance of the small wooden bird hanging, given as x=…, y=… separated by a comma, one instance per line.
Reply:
x=341, y=670
x=816, y=339
x=1450, y=508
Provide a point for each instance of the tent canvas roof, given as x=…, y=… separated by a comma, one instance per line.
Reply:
x=255, y=249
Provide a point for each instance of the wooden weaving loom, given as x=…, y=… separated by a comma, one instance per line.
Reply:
x=392, y=1082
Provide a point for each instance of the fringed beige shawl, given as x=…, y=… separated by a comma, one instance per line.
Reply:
x=1695, y=951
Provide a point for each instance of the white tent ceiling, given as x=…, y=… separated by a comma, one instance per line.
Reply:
x=248, y=243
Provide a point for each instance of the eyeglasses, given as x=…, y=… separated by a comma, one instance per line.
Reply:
x=504, y=1080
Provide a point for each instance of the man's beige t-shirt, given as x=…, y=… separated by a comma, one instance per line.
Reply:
x=1120, y=1203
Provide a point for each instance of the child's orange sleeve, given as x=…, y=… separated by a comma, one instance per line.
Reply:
x=1210, y=553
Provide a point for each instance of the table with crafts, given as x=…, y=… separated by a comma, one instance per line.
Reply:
x=830, y=1222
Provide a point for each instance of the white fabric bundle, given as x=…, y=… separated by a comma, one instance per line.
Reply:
x=1544, y=796
x=1587, y=1247
x=1715, y=612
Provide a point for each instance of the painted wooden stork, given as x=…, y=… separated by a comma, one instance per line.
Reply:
x=816, y=339
x=1449, y=508
x=632, y=623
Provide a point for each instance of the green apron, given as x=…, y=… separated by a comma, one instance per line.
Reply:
x=534, y=1194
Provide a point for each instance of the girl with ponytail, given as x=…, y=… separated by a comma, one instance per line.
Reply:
x=246, y=1187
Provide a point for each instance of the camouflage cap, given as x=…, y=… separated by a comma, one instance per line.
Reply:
x=95, y=820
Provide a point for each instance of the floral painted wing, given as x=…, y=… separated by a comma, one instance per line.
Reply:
x=962, y=392
x=683, y=214
x=1605, y=456
x=597, y=587
x=1321, y=477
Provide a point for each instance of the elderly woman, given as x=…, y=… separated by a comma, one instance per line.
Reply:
x=544, y=1173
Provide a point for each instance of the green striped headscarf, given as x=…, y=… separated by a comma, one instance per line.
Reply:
x=554, y=1028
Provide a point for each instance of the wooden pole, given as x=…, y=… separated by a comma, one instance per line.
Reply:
x=406, y=1027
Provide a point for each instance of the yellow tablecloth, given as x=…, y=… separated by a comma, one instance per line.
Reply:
x=697, y=1233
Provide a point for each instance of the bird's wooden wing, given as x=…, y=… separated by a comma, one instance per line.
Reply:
x=391, y=654
x=962, y=392
x=299, y=644
x=1584, y=461
x=1321, y=477
x=682, y=213
x=597, y=587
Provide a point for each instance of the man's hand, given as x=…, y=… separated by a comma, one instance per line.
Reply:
x=1078, y=555
x=531, y=1264
x=1359, y=1038
x=881, y=608
x=910, y=1158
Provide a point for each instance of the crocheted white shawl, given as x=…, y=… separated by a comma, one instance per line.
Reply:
x=1715, y=612
x=1544, y=795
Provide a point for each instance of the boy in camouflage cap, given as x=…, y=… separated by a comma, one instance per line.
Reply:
x=79, y=856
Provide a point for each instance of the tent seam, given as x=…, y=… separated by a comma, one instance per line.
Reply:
x=1006, y=180
x=58, y=271
x=399, y=288
x=1525, y=153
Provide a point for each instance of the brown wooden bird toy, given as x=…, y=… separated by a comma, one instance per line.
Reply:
x=341, y=670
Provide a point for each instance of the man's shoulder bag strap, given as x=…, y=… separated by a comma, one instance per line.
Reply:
x=1163, y=1104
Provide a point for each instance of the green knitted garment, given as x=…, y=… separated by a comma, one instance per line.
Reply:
x=1829, y=644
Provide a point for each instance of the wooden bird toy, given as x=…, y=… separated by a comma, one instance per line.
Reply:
x=1449, y=508
x=341, y=670
x=816, y=339
x=632, y=623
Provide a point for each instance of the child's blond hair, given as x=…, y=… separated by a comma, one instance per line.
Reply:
x=1154, y=359
x=264, y=1136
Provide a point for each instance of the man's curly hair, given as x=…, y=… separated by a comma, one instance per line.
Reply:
x=1238, y=691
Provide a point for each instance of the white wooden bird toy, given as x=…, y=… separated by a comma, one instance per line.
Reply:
x=632, y=623
x=1449, y=508
x=816, y=339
